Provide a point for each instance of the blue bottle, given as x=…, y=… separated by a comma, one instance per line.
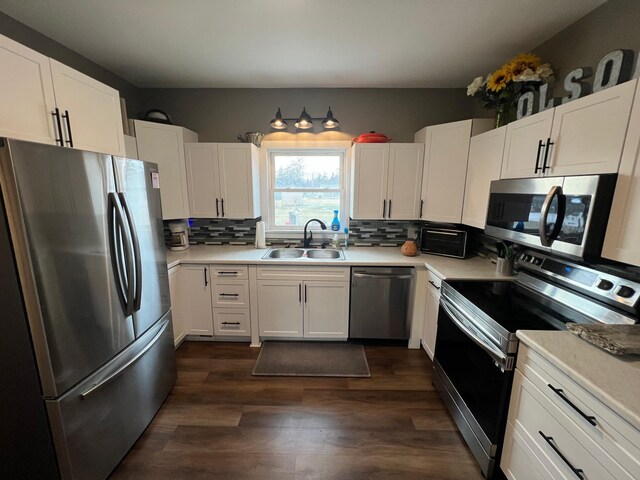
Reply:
x=335, y=224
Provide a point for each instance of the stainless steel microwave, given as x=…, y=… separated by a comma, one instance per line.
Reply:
x=564, y=215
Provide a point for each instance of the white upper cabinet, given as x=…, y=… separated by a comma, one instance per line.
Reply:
x=223, y=180
x=202, y=179
x=582, y=137
x=403, y=187
x=45, y=101
x=485, y=164
x=621, y=242
x=524, y=145
x=369, y=180
x=26, y=94
x=386, y=181
x=589, y=133
x=445, y=167
x=239, y=181
x=164, y=145
x=90, y=111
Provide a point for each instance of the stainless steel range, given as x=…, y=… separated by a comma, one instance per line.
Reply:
x=476, y=343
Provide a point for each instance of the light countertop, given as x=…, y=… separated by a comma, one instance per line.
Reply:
x=614, y=380
x=471, y=268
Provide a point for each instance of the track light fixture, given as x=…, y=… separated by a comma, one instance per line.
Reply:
x=304, y=121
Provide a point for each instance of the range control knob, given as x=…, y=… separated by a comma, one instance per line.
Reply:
x=605, y=285
x=536, y=261
x=625, y=292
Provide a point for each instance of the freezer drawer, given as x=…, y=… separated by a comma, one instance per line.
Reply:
x=96, y=423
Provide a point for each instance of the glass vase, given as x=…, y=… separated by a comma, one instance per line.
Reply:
x=505, y=114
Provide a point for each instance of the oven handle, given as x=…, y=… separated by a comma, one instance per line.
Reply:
x=505, y=362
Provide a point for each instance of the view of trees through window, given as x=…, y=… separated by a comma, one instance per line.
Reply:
x=305, y=187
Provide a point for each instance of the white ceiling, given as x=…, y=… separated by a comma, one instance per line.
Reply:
x=299, y=43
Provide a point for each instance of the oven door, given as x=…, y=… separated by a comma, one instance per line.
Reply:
x=474, y=379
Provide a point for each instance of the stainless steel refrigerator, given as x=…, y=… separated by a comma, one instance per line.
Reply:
x=87, y=242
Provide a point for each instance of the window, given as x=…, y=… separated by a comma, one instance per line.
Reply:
x=305, y=184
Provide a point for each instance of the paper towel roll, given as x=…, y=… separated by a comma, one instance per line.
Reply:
x=261, y=241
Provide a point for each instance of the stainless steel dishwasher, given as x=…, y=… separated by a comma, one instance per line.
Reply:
x=381, y=303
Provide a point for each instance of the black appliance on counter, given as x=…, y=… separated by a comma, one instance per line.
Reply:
x=448, y=242
x=476, y=342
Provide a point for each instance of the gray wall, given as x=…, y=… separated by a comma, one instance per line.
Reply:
x=221, y=114
x=45, y=45
x=613, y=25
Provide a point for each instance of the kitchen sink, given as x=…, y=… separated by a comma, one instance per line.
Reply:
x=305, y=254
x=328, y=253
x=284, y=253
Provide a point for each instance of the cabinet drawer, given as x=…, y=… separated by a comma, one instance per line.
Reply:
x=339, y=274
x=230, y=294
x=238, y=272
x=434, y=282
x=231, y=322
x=519, y=461
x=610, y=432
x=556, y=435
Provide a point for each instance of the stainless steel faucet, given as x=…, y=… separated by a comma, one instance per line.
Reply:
x=307, y=241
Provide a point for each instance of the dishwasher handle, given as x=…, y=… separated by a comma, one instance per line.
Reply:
x=382, y=275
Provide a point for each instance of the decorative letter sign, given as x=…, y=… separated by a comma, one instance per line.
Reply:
x=613, y=69
x=573, y=85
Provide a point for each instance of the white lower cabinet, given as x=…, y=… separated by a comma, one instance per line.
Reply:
x=430, y=323
x=280, y=308
x=195, y=285
x=326, y=309
x=178, y=313
x=300, y=307
x=557, y=429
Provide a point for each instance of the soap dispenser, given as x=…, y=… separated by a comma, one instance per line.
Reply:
x=335, y=224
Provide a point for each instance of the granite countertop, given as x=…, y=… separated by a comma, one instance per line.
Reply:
x=614, y=380
x=471, y=268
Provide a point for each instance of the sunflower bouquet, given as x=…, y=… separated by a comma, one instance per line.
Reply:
x=501, y=89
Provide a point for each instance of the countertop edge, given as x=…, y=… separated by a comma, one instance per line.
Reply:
x=599, y=392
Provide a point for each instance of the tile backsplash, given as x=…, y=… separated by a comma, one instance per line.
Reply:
x=214, y=231
x=384, y=233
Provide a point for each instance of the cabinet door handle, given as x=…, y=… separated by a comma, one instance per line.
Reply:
x=579, y=472
x=230, y=323
x=305, y=293
x=421, y=205
x=222, y=203
x=547, y=149
x=538, y=168
x=223, y=272
x=217, y=208
x=558, y=391
x=384, y=207
x=229, y=294
x=56, y=116
x=68, y=120
x=434, y=285
x=206, y=280
x=299, y=293
x=389, y=212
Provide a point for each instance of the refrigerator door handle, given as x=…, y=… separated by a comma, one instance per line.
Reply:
x=135, y=244
x=119, y=237
x=123, y=368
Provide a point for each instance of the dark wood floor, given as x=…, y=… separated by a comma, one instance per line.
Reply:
x=220, y=422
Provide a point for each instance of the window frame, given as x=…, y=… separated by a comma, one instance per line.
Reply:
x=275, y=231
